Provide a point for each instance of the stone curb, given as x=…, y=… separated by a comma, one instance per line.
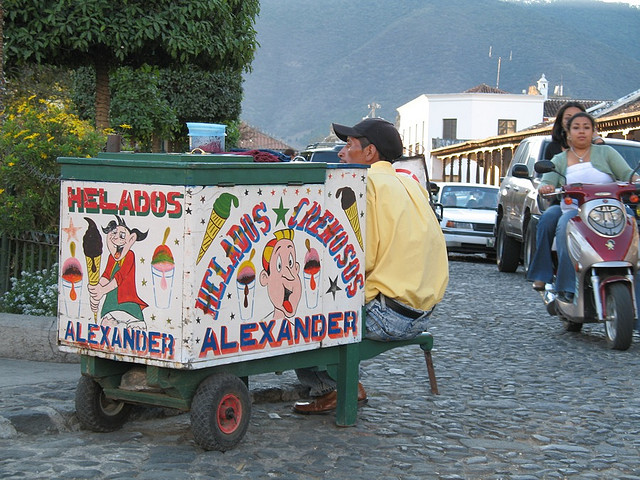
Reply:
x=35, y=338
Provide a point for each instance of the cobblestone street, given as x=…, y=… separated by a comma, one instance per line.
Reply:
x=520, y=398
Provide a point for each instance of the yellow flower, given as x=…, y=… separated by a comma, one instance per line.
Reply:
x=1, y=190
x=11, y=164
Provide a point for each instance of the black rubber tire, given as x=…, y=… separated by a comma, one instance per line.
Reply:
x=620, y=316
x=507, y=251
x=529, y=245
x=95, y=411
x=572, y=326
x=220, y=412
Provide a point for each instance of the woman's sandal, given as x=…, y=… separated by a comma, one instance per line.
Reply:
x=538, y=285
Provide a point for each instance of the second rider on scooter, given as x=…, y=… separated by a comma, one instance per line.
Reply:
x=582, y=163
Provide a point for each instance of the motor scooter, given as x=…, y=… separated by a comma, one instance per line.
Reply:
x=602, y=242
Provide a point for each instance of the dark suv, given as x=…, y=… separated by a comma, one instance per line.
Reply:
x=320, y=152
x=518, y=205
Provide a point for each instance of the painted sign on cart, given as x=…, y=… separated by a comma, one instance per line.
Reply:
x=206, y=275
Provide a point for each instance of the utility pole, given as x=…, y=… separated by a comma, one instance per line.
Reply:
x=372, y=109
x=499, y=64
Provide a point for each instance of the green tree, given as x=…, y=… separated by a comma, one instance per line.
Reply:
x=208, y=34
x=161, y=101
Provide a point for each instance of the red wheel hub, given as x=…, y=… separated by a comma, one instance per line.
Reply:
x=229, y=413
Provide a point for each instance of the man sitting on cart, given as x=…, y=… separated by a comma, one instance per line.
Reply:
x=406, y=270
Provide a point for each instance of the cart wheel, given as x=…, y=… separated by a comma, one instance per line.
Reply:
x=220, y=412
x=95, y=411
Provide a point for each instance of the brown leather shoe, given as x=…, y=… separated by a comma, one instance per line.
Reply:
x=538, y=285
x=326, y=403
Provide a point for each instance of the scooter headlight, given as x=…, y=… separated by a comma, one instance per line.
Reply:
x=608, y=220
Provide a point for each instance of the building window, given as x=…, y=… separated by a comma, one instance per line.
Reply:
x=506, y=126
x=450, y=128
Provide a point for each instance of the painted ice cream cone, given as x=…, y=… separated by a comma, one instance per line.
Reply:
x=311, y=275
x=219, y=214
x=246, y=286
x=351, y=209
x=92, y=248
x=72, y=282
x=163, y=268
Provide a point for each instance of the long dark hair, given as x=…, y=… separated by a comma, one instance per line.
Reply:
x=558, y=133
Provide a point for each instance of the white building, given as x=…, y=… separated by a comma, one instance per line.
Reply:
x=432, y=121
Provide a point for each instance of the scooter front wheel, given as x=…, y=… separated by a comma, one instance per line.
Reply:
x=619, y=316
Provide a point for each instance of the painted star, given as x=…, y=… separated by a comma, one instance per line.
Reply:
x=198, y=320
x=281, y=212
x=188, y=211
x=333, y=287
x=71, y=230
x=203, y=199
x=144, y=282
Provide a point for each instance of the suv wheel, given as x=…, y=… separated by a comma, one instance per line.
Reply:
x=507, y=251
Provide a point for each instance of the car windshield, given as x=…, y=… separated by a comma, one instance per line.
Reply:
x=327, y=157
x=469, y=197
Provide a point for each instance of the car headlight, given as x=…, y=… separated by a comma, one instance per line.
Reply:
x=460, y=225
x=607, y=220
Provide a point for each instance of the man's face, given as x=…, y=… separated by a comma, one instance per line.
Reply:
x=353, y=152
x=119, y=241
x=283, y=280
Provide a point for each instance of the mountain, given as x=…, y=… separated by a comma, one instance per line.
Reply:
x=326, y=61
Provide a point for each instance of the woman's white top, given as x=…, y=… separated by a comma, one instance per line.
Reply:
x=584, y=173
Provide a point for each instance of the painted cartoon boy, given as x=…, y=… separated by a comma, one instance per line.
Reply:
x=281, y=274
x=118, y=281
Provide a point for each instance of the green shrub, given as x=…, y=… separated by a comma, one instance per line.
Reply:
x=33, y=293
x=34, y=133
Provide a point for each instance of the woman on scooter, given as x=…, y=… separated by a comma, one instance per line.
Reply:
x=540, y=270
x=583, y=162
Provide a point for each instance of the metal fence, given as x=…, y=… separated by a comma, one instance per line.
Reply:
x=28, y=252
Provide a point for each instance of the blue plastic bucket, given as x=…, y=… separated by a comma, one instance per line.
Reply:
x=208, y=137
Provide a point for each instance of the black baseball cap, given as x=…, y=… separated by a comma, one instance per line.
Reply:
x=378, y=131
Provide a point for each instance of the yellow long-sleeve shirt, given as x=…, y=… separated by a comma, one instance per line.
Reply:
x=406, y=255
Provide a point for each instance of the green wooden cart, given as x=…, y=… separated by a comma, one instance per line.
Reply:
x=183, y=275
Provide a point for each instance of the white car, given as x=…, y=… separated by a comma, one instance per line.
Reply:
x=467, y=214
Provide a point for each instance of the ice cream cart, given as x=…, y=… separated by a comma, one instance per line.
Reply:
x=182, y=275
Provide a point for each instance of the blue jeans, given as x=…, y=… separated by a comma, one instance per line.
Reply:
x=541, y=267
x=383, y=324
x=566, y=275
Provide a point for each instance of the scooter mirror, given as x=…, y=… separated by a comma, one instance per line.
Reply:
x=544, y=166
